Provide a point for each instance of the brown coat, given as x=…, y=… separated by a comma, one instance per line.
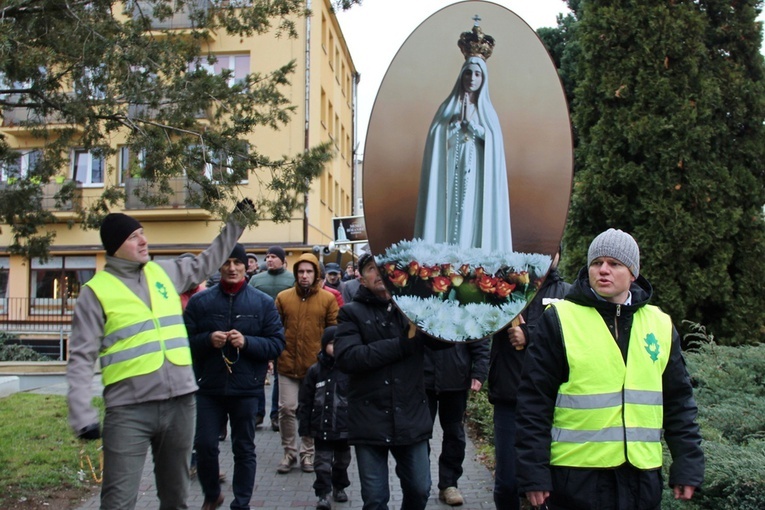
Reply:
x=305, y=315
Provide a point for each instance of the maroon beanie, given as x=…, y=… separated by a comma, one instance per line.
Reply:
x=115, y=228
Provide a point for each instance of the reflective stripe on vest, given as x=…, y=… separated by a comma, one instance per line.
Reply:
x=137, y=339
x=608, y=412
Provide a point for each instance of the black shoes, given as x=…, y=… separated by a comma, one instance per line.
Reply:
x=339, y=495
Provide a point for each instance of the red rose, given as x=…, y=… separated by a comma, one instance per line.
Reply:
x=479, y=271
x=414, y=267
x=447, y=269
x=435, y=270
x=390, y=267
x=424, y=272
x=441, y=284
x=487, y=284
x=504, y=289
x=399, y=278
x=465, y=269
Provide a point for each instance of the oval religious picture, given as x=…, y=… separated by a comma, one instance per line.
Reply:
x=467, y=171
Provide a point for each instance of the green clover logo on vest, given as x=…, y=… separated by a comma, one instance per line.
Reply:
x=163, y=290
x=652, y=347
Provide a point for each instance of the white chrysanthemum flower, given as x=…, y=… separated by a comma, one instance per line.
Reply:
x=538, y=263
x=496, y=318
x=411, y=306
x=475, y=329
x=450, y=331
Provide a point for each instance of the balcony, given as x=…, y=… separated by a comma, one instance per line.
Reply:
x=49, y=201
x=48, y=196
x=179, y=20
x=22, y=119
x=181, y=191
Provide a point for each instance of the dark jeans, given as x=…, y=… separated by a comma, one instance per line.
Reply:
x=450, y=406
x=412, y=469
x=330, y=463
x=505, y=483
x=261, y=396
x=275, y=396
x=211, y=412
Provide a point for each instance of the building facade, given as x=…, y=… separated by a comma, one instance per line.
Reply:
x=37, y=298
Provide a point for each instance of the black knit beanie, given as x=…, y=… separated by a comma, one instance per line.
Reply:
x=239, y=254
x=115, y=228
x=278, y=251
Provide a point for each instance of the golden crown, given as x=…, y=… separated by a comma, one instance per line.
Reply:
x=475, y=43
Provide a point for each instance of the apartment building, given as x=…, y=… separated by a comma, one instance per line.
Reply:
x=38, y=298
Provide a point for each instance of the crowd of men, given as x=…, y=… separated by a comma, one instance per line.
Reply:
x=585, y=383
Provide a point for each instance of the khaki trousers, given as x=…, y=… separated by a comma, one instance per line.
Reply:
x=288, y=403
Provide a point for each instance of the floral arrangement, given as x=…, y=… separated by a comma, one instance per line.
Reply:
x=460, y=294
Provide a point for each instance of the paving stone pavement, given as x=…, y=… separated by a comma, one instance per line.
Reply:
x=294, y=490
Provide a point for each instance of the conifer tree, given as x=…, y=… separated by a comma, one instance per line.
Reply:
x=98, y=68
x=669, y=109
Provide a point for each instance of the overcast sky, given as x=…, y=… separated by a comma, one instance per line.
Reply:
x=375, y=30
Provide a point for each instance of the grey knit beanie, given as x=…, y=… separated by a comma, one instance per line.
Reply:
x=616, y=244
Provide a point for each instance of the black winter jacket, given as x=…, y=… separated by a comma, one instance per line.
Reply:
x=506, y=363
x=546, y=368
x=387, y=404
x=454, y=369
x=252, y=313
x=323, y=401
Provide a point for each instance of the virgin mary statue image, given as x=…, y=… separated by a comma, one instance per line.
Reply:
x=463, y=195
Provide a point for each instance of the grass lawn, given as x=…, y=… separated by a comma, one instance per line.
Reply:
x=40, y=456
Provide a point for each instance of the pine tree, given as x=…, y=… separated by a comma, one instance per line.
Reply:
x=669, y=109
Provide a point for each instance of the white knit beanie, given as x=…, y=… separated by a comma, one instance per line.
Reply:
x=616, y=244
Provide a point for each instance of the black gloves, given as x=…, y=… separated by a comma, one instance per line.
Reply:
x=90, y=433
x=245, y=206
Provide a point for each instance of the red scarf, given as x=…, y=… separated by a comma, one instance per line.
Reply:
x=232, y=288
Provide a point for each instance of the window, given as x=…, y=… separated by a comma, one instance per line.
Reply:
x=54, y=285
x=87, y=168
x=330, y=196
x=342, y=142
x=324, y=32
x=331, y=51
x=7, y=84
x=5, y=264
x=323, y=108
x=92, y=83
x=130, y=163
x=218, y=165
x=331, y=117
x=21, y=165
x=238, y=65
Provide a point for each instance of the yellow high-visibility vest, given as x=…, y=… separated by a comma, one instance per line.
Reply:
x=138, y=339
x=609, y=412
